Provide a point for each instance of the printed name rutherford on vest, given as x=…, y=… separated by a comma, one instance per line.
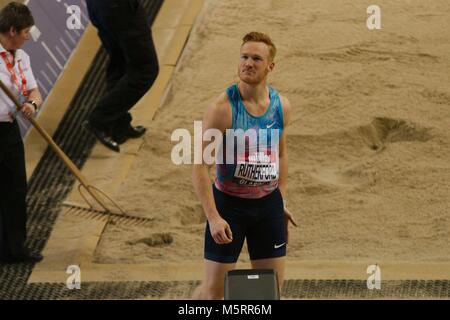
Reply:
x=251, y=146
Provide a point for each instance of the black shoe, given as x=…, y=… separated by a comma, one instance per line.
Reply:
x=130, y=133
x=102, y=137
x=136, y=132
x=23, y=258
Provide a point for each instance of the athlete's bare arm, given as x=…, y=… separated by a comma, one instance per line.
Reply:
x=287, y=110
x=217, y=116
x=282, y=182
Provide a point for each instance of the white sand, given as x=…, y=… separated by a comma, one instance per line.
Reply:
x=353, y=90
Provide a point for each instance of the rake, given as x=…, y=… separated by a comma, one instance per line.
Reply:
x=93, y=191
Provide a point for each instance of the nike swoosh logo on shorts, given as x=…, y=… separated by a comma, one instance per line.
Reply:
x=277, y=246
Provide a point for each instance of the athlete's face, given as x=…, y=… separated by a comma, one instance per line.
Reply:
x=255, y=63
x=18, y=38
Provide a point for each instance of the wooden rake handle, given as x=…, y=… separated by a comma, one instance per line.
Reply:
x=72, y=167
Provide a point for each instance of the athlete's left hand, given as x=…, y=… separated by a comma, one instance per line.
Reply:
x=288, y=217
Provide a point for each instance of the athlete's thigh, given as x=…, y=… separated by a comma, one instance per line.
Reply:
x=266, y=236
x=224, y=253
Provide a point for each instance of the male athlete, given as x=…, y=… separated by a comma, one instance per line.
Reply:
x=246, y=200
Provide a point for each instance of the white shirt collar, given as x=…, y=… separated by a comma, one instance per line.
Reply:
x=18, y=54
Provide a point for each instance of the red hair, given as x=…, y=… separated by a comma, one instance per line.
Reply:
x=261, y=37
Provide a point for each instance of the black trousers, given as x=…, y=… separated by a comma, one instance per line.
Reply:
x=13, y=190
x=125, y=33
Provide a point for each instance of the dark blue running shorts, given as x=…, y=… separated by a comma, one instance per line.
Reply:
x=261, y=221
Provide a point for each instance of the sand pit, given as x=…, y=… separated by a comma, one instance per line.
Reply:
x=369, y=146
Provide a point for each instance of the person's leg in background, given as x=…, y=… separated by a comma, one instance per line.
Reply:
x=13, y=190
x=14, y=208
x=142, y=71
x=13, y=204
x=117, y=64
x=115, y=71
x=123, y=23
x=2, y=188
x=2, y=233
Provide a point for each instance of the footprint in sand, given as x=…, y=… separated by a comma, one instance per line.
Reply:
x=157, y=239
x=377, y=135
x=352, y=176
x=385, y=130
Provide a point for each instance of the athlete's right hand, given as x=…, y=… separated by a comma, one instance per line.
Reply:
x=220, y=230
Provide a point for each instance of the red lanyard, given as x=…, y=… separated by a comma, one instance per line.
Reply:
x=21, y=86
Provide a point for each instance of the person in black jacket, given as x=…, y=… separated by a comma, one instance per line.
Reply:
x=126, y=35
